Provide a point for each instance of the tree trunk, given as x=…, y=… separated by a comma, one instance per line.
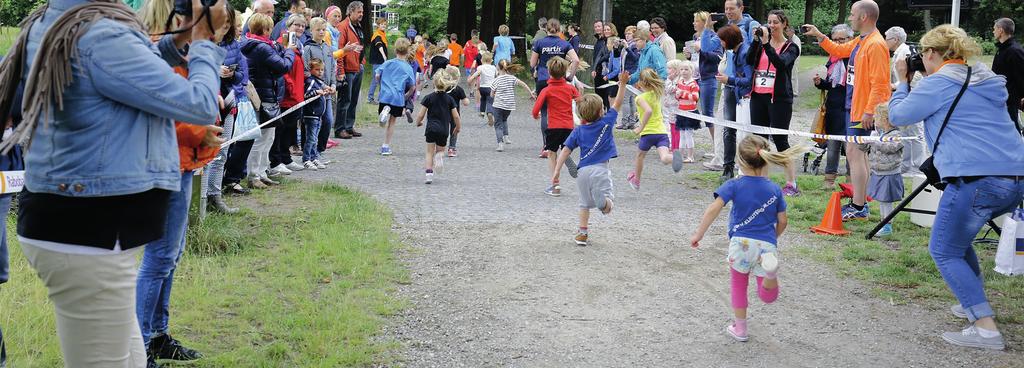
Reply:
x=549, y=8
x=492, y=16
x=517, y=27
x=809, y=12
x=759, y=11
x=461, y=21
x=590, y=12
x=927, y=14
x=842, y=12
x=367, y=22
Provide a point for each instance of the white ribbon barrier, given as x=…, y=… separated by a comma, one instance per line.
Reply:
x=776, y=131
x=278, y=117
x=11, y=181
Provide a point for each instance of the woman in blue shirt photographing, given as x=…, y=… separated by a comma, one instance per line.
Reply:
x=981, y=158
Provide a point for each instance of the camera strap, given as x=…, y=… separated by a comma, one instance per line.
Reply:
x=950, y=112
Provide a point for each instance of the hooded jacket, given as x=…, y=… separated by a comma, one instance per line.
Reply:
x=240, y=78
x=747, y=24
x=980, y=139
x=351, y=61
x=743, y=73
x=320, y=50
x=268, y=63
x=294, y=81
x=710, y=54
x=650, y=57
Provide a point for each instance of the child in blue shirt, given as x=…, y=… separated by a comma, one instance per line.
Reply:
x=596, y=141
x=757, y=219
x=398, y=84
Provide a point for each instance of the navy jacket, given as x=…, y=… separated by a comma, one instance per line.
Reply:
x=318, y=107
x=267, y=67
x=240, y=78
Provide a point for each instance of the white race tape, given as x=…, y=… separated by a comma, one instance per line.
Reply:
x=775, y=131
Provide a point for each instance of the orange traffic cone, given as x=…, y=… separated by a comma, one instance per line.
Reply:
x=832, y=222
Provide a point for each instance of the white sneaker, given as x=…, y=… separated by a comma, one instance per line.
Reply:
x=319, y=165
x=501, y=147
x=295, y=166
x=281, y=169
x=325, y=162
x=507, y=140
x=430, y=178
x=383, y=117
x=769, y=262
x=309, y=165
x=438, y=162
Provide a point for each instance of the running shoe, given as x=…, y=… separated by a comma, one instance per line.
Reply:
x=385, y=151
x=712, y=167
x=574, y=171
x=430, y=178
x=769, y=262
x=885, y=231
x=543, y=154
x=790, y=190
x=408, y=115
x=501, y=147
x=452, y=152
x=309, y=165
x=295, y=166
x=506, y=139
x=633, y=181
x=852, y=214
x=554, y=191
x=736, y=335
x=958, y=311
x=970, y=337
x=677, y=161
x=383, y=117
x=319, y=164
x=580, y=238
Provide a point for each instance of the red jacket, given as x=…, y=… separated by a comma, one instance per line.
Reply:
x=470, y=51
x=190, y=141
x=351, y=61
x=294, y=80
x=559, y=96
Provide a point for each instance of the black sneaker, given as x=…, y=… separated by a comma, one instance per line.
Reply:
x=727, y=174
x=166, y=347
x=151, y=361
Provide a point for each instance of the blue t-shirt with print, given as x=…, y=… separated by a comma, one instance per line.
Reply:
x=596, y=141
x=756, y=205
x=396, y=77
x=549, y=47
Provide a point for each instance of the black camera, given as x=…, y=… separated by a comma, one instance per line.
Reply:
x=915, y=63
x=184, y=7
x=804, y=29
x=717, y=17
x=759, y=33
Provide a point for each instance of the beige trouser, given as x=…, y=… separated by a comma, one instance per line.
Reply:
x=94, y=299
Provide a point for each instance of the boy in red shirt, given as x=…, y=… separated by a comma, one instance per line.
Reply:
x=558, y=95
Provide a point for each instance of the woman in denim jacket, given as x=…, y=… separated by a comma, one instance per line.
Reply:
x=101, y=167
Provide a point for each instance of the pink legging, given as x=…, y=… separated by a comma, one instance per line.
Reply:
x=675, y=136
x=739, y=289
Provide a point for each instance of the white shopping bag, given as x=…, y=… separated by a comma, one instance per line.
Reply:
x=1010, y=255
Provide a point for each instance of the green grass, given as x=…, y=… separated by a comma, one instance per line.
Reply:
x=7, y=36
x=898, y=268
x=303, y=277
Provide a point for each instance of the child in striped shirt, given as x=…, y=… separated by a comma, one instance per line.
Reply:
x=504, y=89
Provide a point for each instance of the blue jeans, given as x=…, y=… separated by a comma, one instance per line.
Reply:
x=964, y=208
x=348, y=101
x=708, y=92
x=310, y=140
x=326, y=126
x=5, y=208
x=160, y=259
x=373, y=81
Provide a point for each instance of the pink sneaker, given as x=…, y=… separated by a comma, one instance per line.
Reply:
x=331, y=143
x=634, y=182
x=738, y=330
x=790, y=190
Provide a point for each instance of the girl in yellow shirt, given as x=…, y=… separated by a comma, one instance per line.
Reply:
x=652, y=130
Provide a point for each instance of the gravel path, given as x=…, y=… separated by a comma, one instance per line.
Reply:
x=497, y=280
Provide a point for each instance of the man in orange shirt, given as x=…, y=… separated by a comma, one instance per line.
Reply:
x=867, y=86
x=456, y=49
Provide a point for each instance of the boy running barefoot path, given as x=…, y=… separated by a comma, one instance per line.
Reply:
x=439, y=110
x=557, y=98
x=397, y=84
x=757, y=219
x=595, y=139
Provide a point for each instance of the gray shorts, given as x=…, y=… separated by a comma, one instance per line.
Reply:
x=595, y=185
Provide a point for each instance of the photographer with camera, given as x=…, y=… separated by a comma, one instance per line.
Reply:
x=983, y=166
x=102, y=166
x=867, y=85
x=771, y=101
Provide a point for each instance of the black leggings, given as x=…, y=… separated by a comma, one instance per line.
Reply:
x=763, y=112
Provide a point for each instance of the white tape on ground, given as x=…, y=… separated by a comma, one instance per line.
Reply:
x=775, y=131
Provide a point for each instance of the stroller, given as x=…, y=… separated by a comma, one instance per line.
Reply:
x=819, y=151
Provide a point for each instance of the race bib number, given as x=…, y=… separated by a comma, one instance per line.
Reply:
x=765, y=79
x=849, y=76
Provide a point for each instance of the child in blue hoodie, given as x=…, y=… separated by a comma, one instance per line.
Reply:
x=313, y=114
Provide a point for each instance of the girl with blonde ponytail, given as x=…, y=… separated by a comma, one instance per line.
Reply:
x=757, y=219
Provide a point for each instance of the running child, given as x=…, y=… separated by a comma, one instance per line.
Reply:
x=596, y=140
x=438, y=60
x=757, y=219
x=885, y=158
x=558, y=96
x=440, y=113
x=459, y=95
x=397, y=84
x=486, y=72
x=410, y=100
x=504, y=89
x=688, y=95
x=313, y=115
x=651, y=128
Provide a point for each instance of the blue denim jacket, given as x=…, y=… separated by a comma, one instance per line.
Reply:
x=115, y=134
